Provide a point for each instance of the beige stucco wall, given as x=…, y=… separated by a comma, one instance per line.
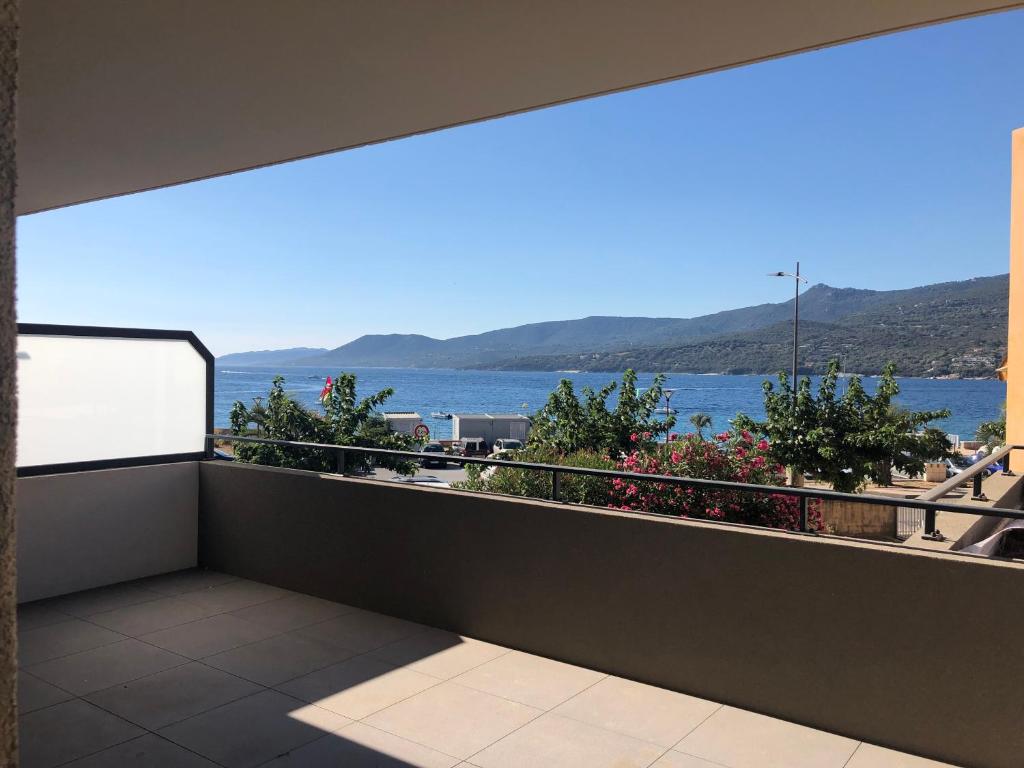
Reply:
x=88, y=529
x=1015, y=341
x=871, y=641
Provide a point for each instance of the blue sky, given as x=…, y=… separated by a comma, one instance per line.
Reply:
x=879, y=164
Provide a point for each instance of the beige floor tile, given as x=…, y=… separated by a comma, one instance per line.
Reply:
x=35, y=615
x=637, y=710
x=141, y=619
x=55, y=640
x=208, y=636
x=357, y=687
x=870, y=756
x=149, y=751
x=292, y=612
x=189, y=580
x=280, y=658
x=439, y=654
x=529, y=679
x=672, y=759
x=233, y=595
x=362, y=631
x=66, y=731
x=742, y=739
x=253, y=730
x=158, y=700
x=360, y=746
x=34, y=693
x=453, y=719
x=559, y=742
x=99, y=668
x=101, y=599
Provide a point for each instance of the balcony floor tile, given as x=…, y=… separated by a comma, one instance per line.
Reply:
x=279, y=658
x=532, y=680
x=208, y=636
x=358, y=687
x=282, y=679
x=66, y=731
x=253, y=730
x=149, y=751
x=99, y=668
x=175, y=694
x=741, y=739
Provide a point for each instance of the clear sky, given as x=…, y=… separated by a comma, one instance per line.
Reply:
x=879, y=164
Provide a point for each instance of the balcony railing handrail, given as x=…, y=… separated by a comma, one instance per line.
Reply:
x=805, y=494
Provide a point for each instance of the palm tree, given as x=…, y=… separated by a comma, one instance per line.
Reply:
x=700, y=421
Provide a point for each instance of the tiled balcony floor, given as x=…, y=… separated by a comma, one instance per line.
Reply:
x=201, y=669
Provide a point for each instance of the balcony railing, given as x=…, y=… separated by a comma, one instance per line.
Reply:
x=927, y=505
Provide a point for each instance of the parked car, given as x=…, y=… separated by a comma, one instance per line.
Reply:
x=434, y=455
x=473, y=446
x=958, y=464
x=507, y=444
x=428, y=481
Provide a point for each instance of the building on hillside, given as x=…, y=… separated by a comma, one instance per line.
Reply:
x=490, y=426
x=403, y=422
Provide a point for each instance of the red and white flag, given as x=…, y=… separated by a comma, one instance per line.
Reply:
x=325, y=393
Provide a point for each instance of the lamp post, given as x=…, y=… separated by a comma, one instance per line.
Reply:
x=668, y=402
x=796, y=319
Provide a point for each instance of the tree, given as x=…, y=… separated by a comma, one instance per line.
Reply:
x=845, y=440
x=574, y=489
x=568, y=425
x=993, y=433
x=700, y=421
x=345, y=420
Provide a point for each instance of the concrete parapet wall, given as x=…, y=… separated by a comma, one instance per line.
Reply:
x=871, y=641
x=88, y=529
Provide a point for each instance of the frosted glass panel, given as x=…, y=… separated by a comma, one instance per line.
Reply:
x=91, y=398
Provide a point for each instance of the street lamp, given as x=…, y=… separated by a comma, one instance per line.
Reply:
x=796, y=318
x=668, y=410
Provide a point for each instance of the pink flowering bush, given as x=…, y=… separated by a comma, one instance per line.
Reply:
x=730, y=456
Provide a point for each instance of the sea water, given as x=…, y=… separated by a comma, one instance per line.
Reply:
x=455, y=391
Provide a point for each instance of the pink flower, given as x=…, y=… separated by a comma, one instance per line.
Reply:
x=634, y=437
x=722, y=437
x=617, y=483
x=631, y=490
x=740, y=452
x=647, y=435
x=676, y=457
x=673, y=435
x=762, y=445
x=758, y=461
x=746, y=435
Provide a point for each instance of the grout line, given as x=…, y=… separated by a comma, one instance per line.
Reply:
x=852, y=754
x=714, y=712
x=533, y=719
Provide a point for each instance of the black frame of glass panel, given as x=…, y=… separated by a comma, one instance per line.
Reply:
x=96, y=331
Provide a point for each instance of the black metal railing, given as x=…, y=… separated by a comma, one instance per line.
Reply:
x=804, y=495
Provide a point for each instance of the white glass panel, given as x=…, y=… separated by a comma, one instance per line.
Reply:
x=90, y=398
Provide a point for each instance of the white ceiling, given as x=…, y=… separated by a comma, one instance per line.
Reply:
x=117, y=96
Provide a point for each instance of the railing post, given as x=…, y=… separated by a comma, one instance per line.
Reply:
x=978, y=494
x=803, y=514
x=1006, y=464
x=339, y=461
x=555, y=486
x=929, y=522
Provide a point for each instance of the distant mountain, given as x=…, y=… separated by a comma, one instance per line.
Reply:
x=942, y=327
x=269, y=356
x=949, y=329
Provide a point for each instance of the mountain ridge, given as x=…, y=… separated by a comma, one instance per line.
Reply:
x=960, y=319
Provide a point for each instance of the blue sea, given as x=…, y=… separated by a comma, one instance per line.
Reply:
x=452, y=391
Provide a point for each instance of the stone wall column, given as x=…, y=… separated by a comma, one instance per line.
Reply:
x=8, y=411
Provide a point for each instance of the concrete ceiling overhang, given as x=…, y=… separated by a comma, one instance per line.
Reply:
x=118, y=96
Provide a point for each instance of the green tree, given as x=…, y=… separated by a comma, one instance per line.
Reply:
x=700, y=422
x=993, y=433
x=575, y=489
x=568, y=425
x=346, y=420
x=846, y=439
